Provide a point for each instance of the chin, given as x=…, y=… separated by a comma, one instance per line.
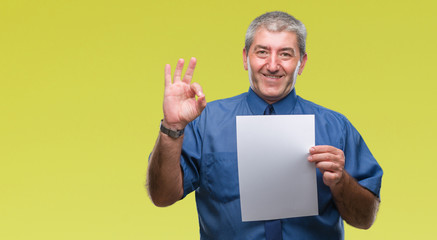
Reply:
x=271, y=97
x=272, y=94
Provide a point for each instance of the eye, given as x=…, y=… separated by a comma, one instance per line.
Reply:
x=262, y=53
x=286, y=55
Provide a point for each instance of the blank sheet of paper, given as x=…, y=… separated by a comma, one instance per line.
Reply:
x=276, y=180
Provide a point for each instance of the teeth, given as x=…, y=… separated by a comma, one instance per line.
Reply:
x=272, y=76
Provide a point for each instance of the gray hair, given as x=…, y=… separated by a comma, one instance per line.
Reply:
x=277, y=22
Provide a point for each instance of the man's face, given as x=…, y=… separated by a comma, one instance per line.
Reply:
x=271, y=61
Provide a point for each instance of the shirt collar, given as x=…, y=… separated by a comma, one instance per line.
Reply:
x=284, y=106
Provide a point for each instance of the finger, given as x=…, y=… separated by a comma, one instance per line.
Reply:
x=318, y=157
x=201, y=103
x=197, y=89
x=324, y=149
x=201, y=100
x=331, y=178
x=329, y=166
x=178, y=71
x=190, y=70
x=167, y=75
x=326, y=161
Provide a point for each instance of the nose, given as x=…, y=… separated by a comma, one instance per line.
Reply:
x=272, y=63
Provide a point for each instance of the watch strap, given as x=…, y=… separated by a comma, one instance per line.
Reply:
x=170, y=132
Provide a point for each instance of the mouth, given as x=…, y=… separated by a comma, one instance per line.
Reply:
x=271, y=76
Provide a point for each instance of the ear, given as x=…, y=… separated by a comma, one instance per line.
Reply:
x=302, y=64
x=245, y=59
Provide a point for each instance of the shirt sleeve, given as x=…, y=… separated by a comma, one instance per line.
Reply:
x=359, y=161
x=190, y=157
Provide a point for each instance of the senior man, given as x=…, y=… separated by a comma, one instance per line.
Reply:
x=196, y=149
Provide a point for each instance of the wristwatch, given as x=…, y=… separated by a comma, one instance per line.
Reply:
x=170, y=132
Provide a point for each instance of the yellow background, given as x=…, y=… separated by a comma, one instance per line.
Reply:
x=82, y=85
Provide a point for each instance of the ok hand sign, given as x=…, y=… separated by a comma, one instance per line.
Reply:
x=180, y=104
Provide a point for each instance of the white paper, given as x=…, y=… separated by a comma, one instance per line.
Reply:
x=276, y=180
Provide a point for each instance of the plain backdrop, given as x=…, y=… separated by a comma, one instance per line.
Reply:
x=81, y=88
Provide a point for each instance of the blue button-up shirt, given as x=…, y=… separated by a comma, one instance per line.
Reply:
x=209, y=164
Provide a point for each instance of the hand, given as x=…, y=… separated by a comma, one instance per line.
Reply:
x=330, y=161
x=180, y=104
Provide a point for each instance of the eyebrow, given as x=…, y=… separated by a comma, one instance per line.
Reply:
x=260, y=46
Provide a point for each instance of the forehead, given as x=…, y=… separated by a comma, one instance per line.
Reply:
x=275, y=40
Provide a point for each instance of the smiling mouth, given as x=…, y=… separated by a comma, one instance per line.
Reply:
x=272, y=76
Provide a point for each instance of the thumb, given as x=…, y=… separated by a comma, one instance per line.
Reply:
x=197, y=89
x=201, y=101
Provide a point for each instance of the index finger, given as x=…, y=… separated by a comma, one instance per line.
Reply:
x=324, y=149
x=190, y=70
